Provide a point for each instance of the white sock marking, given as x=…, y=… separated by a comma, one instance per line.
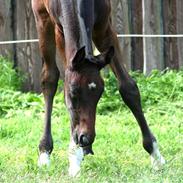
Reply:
x=44, y=159
x=157, y=159
x=75, y=158
x=92, y=85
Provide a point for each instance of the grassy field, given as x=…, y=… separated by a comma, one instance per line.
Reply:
x=119, y=156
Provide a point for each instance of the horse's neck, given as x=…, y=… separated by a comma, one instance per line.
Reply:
x=86, y=22
x=77, y=22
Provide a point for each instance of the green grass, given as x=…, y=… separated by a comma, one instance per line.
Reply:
x=119, y=156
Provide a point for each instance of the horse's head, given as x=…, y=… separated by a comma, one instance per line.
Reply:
x=83, y=89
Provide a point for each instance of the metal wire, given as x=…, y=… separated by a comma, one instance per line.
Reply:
x=119, y=36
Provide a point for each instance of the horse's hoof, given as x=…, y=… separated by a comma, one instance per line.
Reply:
x=44, y=159
x=157, y=163
x=157, y=160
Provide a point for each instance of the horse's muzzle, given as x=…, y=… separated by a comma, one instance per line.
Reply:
x=88, y=150
x=85, y=141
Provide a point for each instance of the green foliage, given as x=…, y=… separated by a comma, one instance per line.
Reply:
x=12, y=101
x=157, y=88
x=160, y=86
x=9, y=78
x=110, y=100
x=119, y=156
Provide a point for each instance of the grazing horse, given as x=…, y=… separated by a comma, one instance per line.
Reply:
x=71, y=26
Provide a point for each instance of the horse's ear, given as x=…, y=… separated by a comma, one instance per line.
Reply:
x=105, y=58
x=78, y=58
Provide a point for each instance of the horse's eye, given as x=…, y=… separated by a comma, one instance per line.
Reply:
x=74, y=91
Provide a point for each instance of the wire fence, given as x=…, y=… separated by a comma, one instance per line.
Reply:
x=119, y=36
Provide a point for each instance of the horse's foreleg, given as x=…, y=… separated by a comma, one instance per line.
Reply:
x=49, y=79
x=130, y=94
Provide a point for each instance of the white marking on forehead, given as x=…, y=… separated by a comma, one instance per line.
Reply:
x=92, y=85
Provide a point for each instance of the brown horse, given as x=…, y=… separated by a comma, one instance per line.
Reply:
x=71, y=25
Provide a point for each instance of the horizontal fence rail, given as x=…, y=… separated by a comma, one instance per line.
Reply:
x=19, y=41
x=150, y=35
x=119, y=36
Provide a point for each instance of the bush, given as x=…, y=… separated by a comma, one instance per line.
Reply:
x=13, y=101
x=9, y=78
x=111, y=99
x=158, y=87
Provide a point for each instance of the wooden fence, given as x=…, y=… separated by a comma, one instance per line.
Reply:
x=129, y=17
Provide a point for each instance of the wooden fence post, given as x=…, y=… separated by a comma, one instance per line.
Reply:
x=180, y=31
x=6, y=32
x=120, y=15
x=170, y=27
x=136, y=28
x=28, y=57
x=153, y=47
x=129, y=16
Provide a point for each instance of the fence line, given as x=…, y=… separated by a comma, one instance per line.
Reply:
x=19, y=41
x=150, y=35
x=119, y=36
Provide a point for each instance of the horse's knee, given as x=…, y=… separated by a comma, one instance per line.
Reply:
x=49, y=83
x=129, y=92
x=49, y=79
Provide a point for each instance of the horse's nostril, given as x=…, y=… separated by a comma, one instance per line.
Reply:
x=84, y=140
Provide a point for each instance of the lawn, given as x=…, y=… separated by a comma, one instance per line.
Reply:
x=119, y=156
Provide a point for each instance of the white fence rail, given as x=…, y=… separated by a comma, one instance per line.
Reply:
x=119, y=36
